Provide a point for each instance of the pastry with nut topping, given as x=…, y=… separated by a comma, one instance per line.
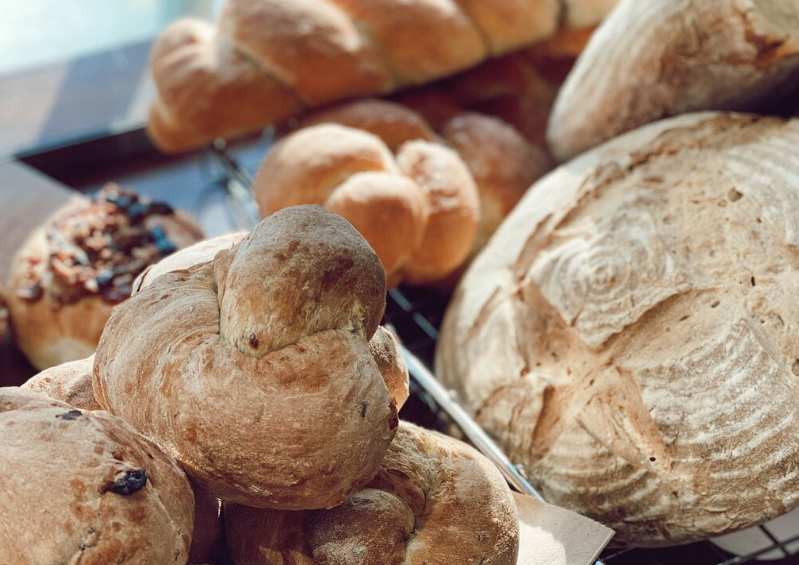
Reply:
x=76, y=267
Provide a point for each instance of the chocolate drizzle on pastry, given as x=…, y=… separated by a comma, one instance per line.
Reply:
x=99, y=248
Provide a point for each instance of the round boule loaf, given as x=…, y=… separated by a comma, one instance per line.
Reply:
x=630, y=332
x=254, y=371
x=85, y=487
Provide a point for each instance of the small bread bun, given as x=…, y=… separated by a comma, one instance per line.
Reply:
x=85, y=487
x=418, y=209
x=72, y=270
x=69, y=382
x=435, y=501
x=385, y=348
x=254, y=370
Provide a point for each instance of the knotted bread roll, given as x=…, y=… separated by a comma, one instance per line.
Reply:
x=85, y=487
x=267, y=60
x=69, y=382
x=649, y=60
x=630, y=332
x=435, y=501
x=254, y=369
x=82, y=261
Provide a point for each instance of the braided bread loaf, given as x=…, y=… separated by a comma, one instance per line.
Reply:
x=435, y=501
x=254, y=369
x=267, y=60
x=412, y=198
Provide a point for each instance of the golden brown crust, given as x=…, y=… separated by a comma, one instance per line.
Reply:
x=393, y=123
x=453, y=209
x=627, y=334
x=270, y=59
x=69, y=382
x=503, y=163
x=112, y=495
x=435, y=501
x=57, y=304
x=385, y=348
x=226, y=349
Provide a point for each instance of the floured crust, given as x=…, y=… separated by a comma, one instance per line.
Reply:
x=650, y=60
x=225, y=349
x=435, y=501
x=385, y=348
x=627, y=334
x=111, y=494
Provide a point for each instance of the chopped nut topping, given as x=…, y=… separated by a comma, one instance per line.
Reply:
x=100, y=248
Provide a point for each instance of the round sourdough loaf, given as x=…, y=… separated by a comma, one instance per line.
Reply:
x=435, y=501
x=631, y=333
x=254, y=369
x=85, y=487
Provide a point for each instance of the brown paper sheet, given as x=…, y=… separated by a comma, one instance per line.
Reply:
x=553, y=536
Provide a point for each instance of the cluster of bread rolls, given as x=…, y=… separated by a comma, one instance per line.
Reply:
x=80, y=263
x=268, y=60
x=424, y=201
x=254, y=364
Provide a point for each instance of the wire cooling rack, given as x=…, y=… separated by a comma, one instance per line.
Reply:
x=415, y=314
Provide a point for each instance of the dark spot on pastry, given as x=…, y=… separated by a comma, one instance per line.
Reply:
x=32, y=292
x=254, y=343
x=363, y=407
x=795, y=367
x=129, y=483
x=71, y=415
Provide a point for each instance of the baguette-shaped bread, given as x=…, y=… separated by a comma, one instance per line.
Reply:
x=267, y=60
x=85, y=487
x=435, y=501
x=629, y=333
x=658, y=58
x=254, y=369
x=82, y=261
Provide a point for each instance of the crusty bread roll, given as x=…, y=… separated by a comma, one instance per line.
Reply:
x=435, y=501
x=267, y=60
x=74, y=268
x=385, y=348
x=660, y=58
x=254, y=371
x=69, y=382
x=85, y=487
x=418, y=209
x=353, y=174
x=628, y=333
x=72, y=383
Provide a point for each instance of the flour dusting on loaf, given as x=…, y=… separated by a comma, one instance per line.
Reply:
x=630, y=333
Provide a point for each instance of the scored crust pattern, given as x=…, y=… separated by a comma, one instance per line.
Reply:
x=630, y=333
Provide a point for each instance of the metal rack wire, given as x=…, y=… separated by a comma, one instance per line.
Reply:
x=416, y=315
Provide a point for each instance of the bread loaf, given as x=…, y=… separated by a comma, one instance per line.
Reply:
x=629, y=333
x=435, y=501
x=254, y=369
x=659, y=58
x=355, y=175
x=74, y=268
x=85, y=487
x=267, y=60
x=69, y=382
x=418, y=209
